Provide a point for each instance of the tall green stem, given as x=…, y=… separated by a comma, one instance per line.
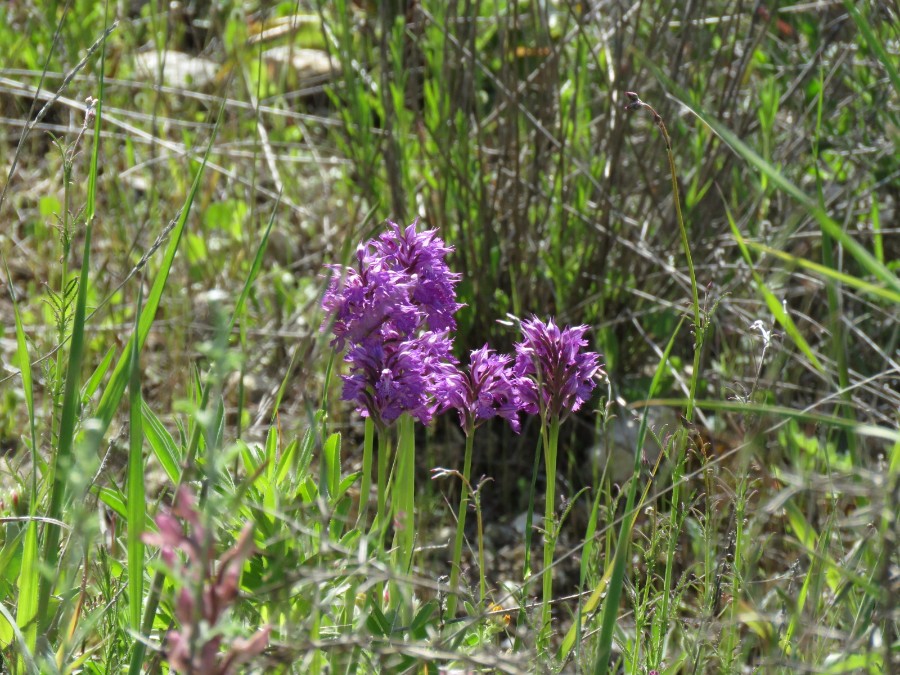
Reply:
x=549, y=522
x=380, y=525
x=660, y=626
x=689, y=412
x=460, y=523
x=403, y=501
x=365, y=485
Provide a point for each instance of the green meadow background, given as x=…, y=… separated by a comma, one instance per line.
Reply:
x=727, y=502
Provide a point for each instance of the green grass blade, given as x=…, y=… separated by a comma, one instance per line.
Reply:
x=865, y=259
x=69, y=415
x=827, y=272
x=137, y=512
x=161, y=443
x=114, y=498
x=874, y=43
x=610, y=615
x=29, y=590
x=68, y=423
x=750, y=408
x=114, y=391
x=100, y=371
x=28, y=581
x=254, y=268
x=781, y=316
x=25, y=654
x=140, y=647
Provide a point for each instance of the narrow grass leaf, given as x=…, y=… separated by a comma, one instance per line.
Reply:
x=617, y=579
x=775, y=307
x=866, y=260
x=114, y=391
x=161, y=443
x=255, y=267
x=99, y=373
x=331, y=465
x=62, y=458
x=68, y=417
x=136, y=494
x=26, y=653
x=868, y=662
x=827, y=272
x=28, y=581
x=868, y=430
x=114, y=498
x=889, y=62
x=286, y=461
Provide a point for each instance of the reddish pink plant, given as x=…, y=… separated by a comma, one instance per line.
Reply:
x=207, y=591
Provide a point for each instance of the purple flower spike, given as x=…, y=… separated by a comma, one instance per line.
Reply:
x=369, y=303
x=392, y=311
x=421, y=255
x=388, y=379
x=487, y=390
x=556, y=377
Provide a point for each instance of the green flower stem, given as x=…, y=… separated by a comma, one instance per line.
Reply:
x=549, y=527
x=403, y=504
x=460, y=523
x=380, y=525
x=365, y=485
x=482, y=582
x=677, y=512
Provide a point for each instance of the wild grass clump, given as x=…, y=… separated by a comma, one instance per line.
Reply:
x=620, y=280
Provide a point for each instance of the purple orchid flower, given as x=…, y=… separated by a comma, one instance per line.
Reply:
x=488, y=389
x=393, y=312
x=555, y=376
x=422, y=255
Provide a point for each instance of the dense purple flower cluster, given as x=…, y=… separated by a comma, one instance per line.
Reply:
x=555, y=376
x=420, y=255
x=393, y=312
x=489, y=389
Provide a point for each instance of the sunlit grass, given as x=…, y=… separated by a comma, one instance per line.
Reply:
x=163, y=328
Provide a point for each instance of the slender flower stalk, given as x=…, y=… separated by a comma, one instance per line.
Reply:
x=487, y=389
x=550, y=531
x=464, y=490
x=365, y=485
x=635, y=103
x=555, y=378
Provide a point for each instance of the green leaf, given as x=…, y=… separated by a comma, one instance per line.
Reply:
x=113, y=498
x=112, y=395
x=775, y=307
x=7, y=626
x=137, y=508
x=888, y=61
x=827, y=272
x=99, y=373
x=161, y=443
x=28, y=582
x=331, y=465
x=866, y=260
x=68, y=422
